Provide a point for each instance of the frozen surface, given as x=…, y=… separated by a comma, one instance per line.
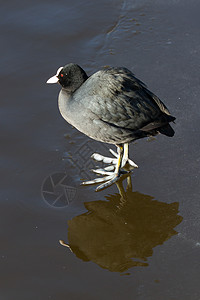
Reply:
x=145, y=248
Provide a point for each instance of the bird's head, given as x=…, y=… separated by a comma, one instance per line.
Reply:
x=70, y=77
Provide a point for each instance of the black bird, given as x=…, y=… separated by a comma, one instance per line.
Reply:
x=111, y=106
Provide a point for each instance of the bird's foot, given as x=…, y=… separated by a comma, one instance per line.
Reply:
x=110, y=174
x=127, y=163
x=108, y=180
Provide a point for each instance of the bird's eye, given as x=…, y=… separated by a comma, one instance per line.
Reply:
x=61, y=75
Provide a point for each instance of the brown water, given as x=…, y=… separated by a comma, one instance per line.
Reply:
x=142, y=242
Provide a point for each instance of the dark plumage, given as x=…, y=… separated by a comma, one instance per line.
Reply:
x=111, y=106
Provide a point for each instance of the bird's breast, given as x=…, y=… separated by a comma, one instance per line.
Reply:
x=77, y=114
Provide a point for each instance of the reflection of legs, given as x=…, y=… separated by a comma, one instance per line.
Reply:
x=110, y=177
x=120, y=187
x=129, y=184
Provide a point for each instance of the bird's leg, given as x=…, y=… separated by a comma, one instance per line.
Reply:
x=119, y=165
x=111, y=177
x=125, y=156
x=127, y=162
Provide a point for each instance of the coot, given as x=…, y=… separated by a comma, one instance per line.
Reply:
x=111, y=106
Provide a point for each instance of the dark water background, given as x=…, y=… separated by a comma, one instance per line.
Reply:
x=146, y=248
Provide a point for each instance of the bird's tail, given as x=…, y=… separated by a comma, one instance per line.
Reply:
x=166, y=130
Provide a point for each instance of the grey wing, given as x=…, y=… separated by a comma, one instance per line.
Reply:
x=118, y=98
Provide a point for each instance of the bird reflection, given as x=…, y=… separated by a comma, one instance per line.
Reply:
x=121, y=232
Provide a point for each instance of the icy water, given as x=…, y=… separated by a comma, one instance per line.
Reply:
x=137, y=242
